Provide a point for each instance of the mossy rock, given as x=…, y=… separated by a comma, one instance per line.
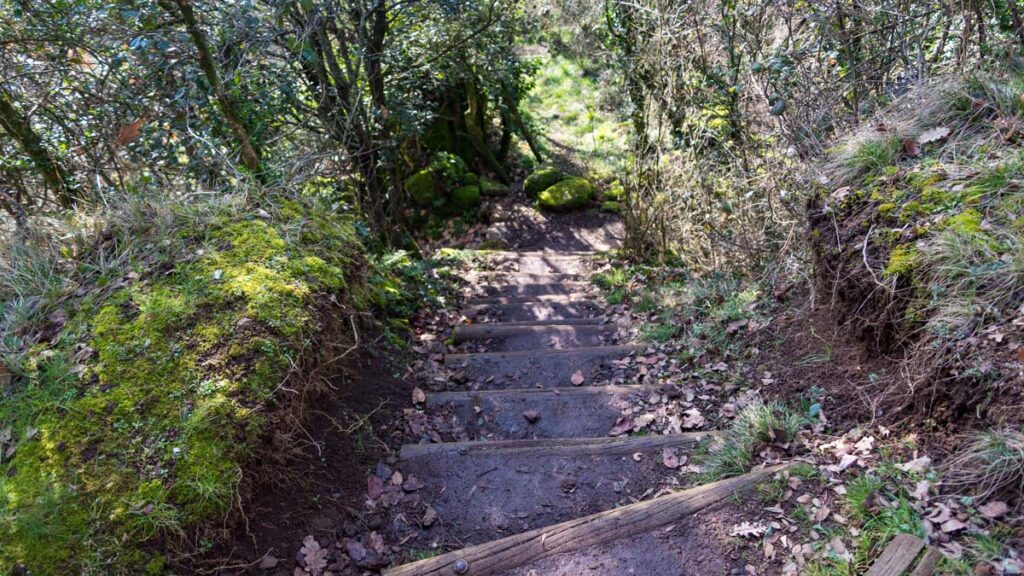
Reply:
x=611, y=206
x=470, y=179
x=569, y=194
x=422, y=187
x=542, y=179
x=490, y=187
x=466, y=198
x=615, y=192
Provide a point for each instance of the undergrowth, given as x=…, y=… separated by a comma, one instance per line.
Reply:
x=149, y=359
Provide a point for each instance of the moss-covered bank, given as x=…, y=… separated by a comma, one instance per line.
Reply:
x=137, y=418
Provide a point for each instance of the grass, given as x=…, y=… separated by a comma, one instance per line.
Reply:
x=134, y=421
x=757, y=424
x=566, y=104
x=987, y=464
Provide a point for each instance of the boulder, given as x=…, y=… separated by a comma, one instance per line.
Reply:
x=569, y=194
x=542, y=179
x=422, y=187
x=466, y=198
x=492, y=188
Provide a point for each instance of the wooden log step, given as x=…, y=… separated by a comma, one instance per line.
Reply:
x=501, y=290
x=533, y=311
x=619, y=350
x=573, y=297
x=508, y=553
x=897, y=557
x=524, y=278
x=558, y=447
x=500, y=330
x=542, y=254
x=592, y=321
x=573, y=412
x=531, y=368
x=442, y=398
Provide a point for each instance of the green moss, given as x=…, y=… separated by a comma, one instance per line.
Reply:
x=615, y=192
x=466, y=198
x=490, y=187
x=422, y=187
x=569, y=194
x=966, y=222
x=542, y=179
x=903, y=260
x=149, y=434
x=886, y=209
x=470, y=179
x=611, y=206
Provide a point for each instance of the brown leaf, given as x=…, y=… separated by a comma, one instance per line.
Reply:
x=910, y=147
x=994, y=509
x=532, y=416
x=953, y=525
x=374, y=487
x=669, y=458
x=933, y=135
x=622, y=426
x=315, y=556
x=418, y=396
x=577, y=378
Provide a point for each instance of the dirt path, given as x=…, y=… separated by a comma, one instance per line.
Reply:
x=529, y=388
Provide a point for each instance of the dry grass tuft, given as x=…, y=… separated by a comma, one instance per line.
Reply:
x=987, y=464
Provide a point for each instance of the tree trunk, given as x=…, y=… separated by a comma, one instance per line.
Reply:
x=250, y=157
x=20, y=129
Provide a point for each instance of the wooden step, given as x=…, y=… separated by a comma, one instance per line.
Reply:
x=523, y=278
x=441, y=398
x=454, y=359
x=510, y=552
x=502, y=330
x=573, y=412
x=530, y=368
x=594, y=321
x=571, y=298
x=620, y=446
x=499, y=290
x=527, y=311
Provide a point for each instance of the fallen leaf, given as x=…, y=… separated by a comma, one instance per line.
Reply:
x=622, y=426
x=374, y=487
x=918, y=465
x=670, y=458
x=953, y=525
x=921, y=490
x=315, y=556
x=933, y=135
x=577, y=378
x=994, y=509
x=748, y=529
x=693, y=419
x=532, y=416
x=418, y=396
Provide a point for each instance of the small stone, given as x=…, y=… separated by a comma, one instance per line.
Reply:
x=532, y=416
x=268, y=562
x=460, y=566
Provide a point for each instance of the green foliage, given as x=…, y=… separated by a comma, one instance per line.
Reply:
x=568, y=194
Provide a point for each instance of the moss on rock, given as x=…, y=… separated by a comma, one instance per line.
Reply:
x=542, y=179
x=466, y=198
x=490, y=187
x=422, y=187
x=569, y=194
